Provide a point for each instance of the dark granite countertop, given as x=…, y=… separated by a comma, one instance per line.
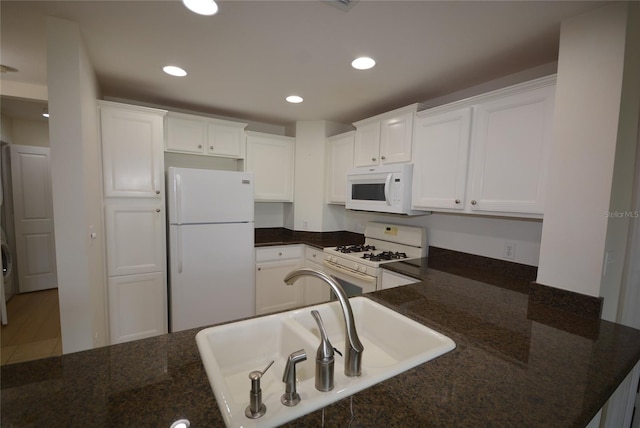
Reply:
x=517, y=363
x=280, y=236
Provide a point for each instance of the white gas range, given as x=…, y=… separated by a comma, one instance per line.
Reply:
x=357, y=267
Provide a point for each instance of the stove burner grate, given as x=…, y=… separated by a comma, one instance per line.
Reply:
x=384, y=256
x=355, y=248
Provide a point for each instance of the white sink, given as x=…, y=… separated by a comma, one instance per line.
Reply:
x=392, y=343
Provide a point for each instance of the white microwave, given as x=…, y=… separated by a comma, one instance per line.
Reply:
x=383, y=188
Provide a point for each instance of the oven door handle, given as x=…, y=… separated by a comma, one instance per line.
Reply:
x=350, y=272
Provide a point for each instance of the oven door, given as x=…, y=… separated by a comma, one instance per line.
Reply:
x=353, y=283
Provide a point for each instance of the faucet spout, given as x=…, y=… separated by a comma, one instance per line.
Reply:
x=353, y=346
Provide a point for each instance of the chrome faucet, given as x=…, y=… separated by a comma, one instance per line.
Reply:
x=353, y=346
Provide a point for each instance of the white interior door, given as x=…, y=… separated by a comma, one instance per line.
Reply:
x=33, y=217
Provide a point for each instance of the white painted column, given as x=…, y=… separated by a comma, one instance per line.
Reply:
x=77, y=188
x=586, y=136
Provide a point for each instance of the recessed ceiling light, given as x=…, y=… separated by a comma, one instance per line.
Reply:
x=201, y=7
x=363, y=63
x=174, y=71
x=295, y=99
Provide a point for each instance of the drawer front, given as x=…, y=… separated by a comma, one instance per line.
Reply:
x=280, y=252
x=313, y=254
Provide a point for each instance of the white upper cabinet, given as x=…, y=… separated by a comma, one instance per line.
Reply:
x=511, y=147
x=225, y=140
x=339, y=161
x=185, y=134
x=441, y=152
x=367, y=145
x=487, y=154
x=396, y=135
x=386, y=138
x=131, y=150
x=271, y=158
x=204, y=136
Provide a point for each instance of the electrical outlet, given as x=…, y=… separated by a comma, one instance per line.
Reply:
x=509, y=250
x=305, y=224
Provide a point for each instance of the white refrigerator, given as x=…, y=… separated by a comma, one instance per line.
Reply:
x=211, y=247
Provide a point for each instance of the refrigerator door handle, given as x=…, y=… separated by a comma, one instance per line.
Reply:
x=179, y=249
x=178, y=200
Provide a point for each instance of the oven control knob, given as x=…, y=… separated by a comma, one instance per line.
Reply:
x=334, y=259
x=355, y=266
x=363, y=269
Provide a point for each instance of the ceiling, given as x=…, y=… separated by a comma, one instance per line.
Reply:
x=243, y=61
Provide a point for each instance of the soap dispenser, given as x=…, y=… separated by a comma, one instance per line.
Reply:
x=324, y=358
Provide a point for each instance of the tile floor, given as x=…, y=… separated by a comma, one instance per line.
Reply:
x=33, y=331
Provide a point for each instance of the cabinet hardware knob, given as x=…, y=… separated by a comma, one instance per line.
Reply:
x=199, y=146
x=474, y=202
x=279, y=254
x=383, y=157
x=373, y=159
x=457, y=201
x=259, y=268
x=210, y=147
x=157, y=192
x=157, y=210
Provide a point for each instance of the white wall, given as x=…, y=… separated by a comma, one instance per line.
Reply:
x=76, y=181
x=309, y=175
x=479, y=235
x=6, y=129
x=586, y=126
x=269, y=214
x=31, y=132
x=310, y=210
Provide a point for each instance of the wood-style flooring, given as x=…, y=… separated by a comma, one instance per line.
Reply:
x=33, y=331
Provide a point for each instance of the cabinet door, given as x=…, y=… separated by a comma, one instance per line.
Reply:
x=441, y=151
x=510, y=152
x=367, y=145
x=224, y=140
x=270, y=158
x=315, y=290
x=135, y=239
x=132, y=152
x=186, y=134
x=395, y=139
x=339, y=161
x=272, y=294
x=137, y=306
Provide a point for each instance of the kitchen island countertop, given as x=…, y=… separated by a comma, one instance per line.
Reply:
x=517, y=363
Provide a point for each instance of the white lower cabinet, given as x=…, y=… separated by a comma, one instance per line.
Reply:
x=137, y=306
x=272, y=265
x=315, y=290
x=135, y=239
x=392, y=279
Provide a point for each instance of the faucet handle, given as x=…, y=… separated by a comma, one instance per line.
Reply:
x=291, y=397
x=256, y=407
x=324, y=358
